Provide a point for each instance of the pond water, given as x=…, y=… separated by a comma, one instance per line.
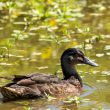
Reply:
x=38, y=52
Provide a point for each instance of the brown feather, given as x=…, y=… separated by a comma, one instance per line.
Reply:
x=39, y=85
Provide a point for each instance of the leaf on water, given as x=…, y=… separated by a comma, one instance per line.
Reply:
x=42, y=67
x=19, y=56
x=85, y=100
x=106, y=72
x=49, y=97
x=95, y=72
x=33, y=60
x=88, y=46
x=102, y=81
x=107, y=47
x=87, y=40
x=11, y=55
x=76, y=100
x=65, y=40
x=37, y=28
x=20, y=23
x=108, y=53
x=17, y=31
x=32, y=34
x=27, y=108
x=44, y=39
x=25, y=59
x=20, y=35
x=51, y=29
x=79, y=15
x=106, y=36
x=87, y=29
x=25, y=104
x=100, y=54
x=36, y=53
x=5, y=64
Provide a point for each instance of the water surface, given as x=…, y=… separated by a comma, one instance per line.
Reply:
x=42, y=54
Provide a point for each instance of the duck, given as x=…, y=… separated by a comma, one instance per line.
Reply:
x=38, y=85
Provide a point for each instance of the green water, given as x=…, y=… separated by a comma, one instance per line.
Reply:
x=38, y=53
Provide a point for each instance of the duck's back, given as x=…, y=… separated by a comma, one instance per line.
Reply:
x=38, y=85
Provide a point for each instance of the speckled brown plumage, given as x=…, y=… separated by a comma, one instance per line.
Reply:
x=38, y=85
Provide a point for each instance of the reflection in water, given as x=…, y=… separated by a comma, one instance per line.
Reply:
x=88, y=90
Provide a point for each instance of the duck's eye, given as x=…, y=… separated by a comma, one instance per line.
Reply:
x=80, y=59
x=71, y=58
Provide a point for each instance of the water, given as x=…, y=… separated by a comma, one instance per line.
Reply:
x=38, y=52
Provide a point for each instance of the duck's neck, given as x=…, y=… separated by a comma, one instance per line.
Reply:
x=69, y=70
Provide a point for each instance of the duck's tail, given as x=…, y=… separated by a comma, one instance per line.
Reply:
x=18, y=92
x=9, y=93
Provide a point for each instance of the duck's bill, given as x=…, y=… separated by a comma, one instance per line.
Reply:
x=89, y=62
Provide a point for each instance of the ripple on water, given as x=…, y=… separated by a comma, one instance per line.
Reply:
x=88, y=90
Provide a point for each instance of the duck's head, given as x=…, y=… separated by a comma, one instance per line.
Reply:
x=70, y=58
x=75, y=56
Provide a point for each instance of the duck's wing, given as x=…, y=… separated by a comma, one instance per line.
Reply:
x=30, y=86
x=35, y=79
x=41, y=78
x=17, y=78
x=15, y=92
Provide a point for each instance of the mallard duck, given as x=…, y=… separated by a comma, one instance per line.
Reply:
x=38, y=85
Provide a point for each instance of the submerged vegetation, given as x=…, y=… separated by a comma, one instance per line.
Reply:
x=49, y=20
x=34, y=33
